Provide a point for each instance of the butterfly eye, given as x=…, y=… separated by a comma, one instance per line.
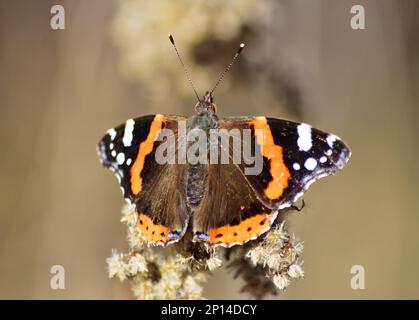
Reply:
x=213, y=107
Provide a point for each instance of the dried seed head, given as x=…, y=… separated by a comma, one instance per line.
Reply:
x=295, y=271
x=281, y=281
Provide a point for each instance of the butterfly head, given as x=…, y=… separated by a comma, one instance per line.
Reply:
x=206, y=105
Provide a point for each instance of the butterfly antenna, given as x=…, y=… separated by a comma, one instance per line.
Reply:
x=241, y=47
x=188, y=76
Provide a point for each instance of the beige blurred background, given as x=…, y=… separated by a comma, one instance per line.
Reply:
x=61, y=90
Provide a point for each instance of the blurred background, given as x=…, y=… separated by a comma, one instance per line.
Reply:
x=61, y=90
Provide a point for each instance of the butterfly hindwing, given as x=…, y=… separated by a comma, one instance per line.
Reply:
x=156, y=190
x=230, y=212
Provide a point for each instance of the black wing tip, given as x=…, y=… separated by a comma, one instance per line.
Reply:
x=102, y=153
x=343, y=154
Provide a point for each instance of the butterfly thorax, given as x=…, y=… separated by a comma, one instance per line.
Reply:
x=204, y=120
x=206, y=115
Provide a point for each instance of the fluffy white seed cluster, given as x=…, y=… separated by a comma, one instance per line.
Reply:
x=124, y=266
x=210, y=264
x=279, y=254
x=154, y=275
x=176, y=282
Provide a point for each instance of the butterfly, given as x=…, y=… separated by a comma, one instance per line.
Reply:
x=219, y=202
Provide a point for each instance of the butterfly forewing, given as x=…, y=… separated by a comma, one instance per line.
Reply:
x=308, y=153
x=157, y=189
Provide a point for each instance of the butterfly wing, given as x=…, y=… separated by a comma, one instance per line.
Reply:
x=156, y=188
x=239, y=206
x=294, y=156
x=230, y=212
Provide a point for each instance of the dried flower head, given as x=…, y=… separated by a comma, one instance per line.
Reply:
x=279, y=255
x=181, y=271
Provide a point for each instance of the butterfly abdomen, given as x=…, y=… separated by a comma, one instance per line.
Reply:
x=195, y=189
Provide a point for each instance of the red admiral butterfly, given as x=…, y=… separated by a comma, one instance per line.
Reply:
x=219, y=203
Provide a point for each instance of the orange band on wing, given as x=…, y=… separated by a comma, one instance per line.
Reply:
x=154, y=233
x=279, y=171
x=246, y=230
x=146, y=147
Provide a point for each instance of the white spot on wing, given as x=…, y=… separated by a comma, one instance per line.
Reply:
x=128, y=161
x=310, y=164
x=331, y=138
x=112, y=133
x=113, y=153
x=129, y=128
x=323, y=159
x=304, y=141
x=111, y=146
x=296, y=166
x=329, y=152
x=120, y=158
